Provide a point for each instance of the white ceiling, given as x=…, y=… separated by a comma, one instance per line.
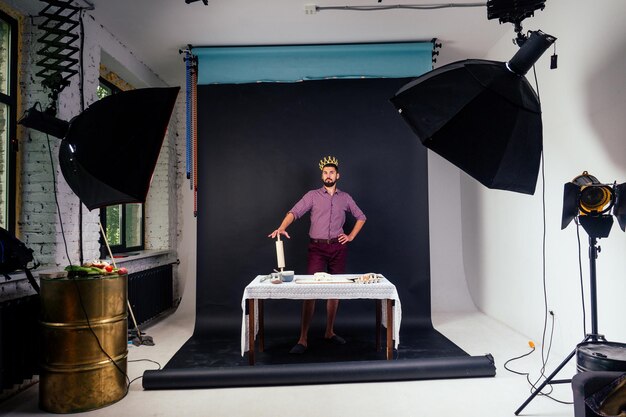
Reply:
x=155, y=30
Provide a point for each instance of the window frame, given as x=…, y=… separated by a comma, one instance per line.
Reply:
x=121, y=248
x=11, y=102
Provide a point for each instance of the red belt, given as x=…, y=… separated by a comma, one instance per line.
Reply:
x=327, y=241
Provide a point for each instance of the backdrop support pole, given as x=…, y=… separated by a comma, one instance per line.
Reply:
x=130, y=308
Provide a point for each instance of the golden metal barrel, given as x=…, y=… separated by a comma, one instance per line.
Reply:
x=76, y=374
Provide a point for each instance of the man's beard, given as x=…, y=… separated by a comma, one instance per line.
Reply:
x=329, y=183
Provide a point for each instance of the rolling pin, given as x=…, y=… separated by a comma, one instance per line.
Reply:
x=280, y=253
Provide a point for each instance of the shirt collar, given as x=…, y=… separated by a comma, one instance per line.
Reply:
x=323, y=190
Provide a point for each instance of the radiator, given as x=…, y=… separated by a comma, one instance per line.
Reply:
x=150, y=293
x=19, y=340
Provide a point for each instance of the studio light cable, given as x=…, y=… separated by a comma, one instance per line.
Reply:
x=545, y=354
x=434, y=6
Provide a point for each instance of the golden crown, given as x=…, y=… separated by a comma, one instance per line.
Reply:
x=328, y=160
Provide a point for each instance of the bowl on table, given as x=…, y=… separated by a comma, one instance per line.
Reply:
x=286, y=276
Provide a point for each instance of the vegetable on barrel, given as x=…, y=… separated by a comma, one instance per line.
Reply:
x=95, y=268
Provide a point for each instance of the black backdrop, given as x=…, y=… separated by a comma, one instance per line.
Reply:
x=258, y=153
x=259, y=148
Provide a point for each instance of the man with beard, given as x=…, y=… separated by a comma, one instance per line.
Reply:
x=328, y=245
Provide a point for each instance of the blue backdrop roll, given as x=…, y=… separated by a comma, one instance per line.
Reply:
x=291, y=63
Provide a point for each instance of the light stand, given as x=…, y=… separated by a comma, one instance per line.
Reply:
x=140, y=340
x=594, y=204
x=594, y=336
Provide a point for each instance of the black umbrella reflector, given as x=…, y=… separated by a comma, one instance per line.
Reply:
x=111, y=149
x=482, y=118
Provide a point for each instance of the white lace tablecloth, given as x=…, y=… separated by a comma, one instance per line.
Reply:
x=265, y=290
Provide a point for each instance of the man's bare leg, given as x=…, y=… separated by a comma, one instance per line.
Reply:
x=331, y=312
x=308, y=308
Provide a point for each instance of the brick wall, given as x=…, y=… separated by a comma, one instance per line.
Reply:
x=38, y=222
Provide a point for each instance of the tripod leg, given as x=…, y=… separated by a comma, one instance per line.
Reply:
x=546, y=382
x=132, y=315
x=31, y=280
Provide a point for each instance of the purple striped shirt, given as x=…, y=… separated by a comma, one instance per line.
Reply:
x=328, y=213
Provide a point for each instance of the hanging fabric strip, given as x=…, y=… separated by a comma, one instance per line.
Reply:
x=194, y=101
x=191, y=73
x=188, y=66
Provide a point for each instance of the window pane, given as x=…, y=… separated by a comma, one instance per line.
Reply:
x=4, y=164
x=102, y=91
x=133, y=225
x=5, y=37
x=114, y=222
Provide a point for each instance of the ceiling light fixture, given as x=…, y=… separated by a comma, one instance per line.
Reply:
x=508, y=11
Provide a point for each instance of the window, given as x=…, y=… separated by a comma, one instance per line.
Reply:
x=8, y=119
x=123, y=223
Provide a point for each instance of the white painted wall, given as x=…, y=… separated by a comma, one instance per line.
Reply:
x=448, y=286
x=584, y=108
x=187, y=224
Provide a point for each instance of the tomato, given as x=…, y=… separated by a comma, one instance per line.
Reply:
x=108, y=268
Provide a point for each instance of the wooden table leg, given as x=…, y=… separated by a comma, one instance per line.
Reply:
x=261, y=327
x=389, y=330
x=379, y=313
x=251, y=331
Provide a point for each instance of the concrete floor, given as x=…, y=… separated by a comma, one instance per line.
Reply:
x=476, y=333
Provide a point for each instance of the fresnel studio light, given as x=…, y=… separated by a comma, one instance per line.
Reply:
x=593, y=204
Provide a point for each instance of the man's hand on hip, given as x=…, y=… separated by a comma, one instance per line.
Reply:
x=344, y=238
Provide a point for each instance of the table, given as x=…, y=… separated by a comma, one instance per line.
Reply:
x=257, y=291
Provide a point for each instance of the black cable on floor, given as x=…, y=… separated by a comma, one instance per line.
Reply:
x=545, y=355
x=143, y=360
